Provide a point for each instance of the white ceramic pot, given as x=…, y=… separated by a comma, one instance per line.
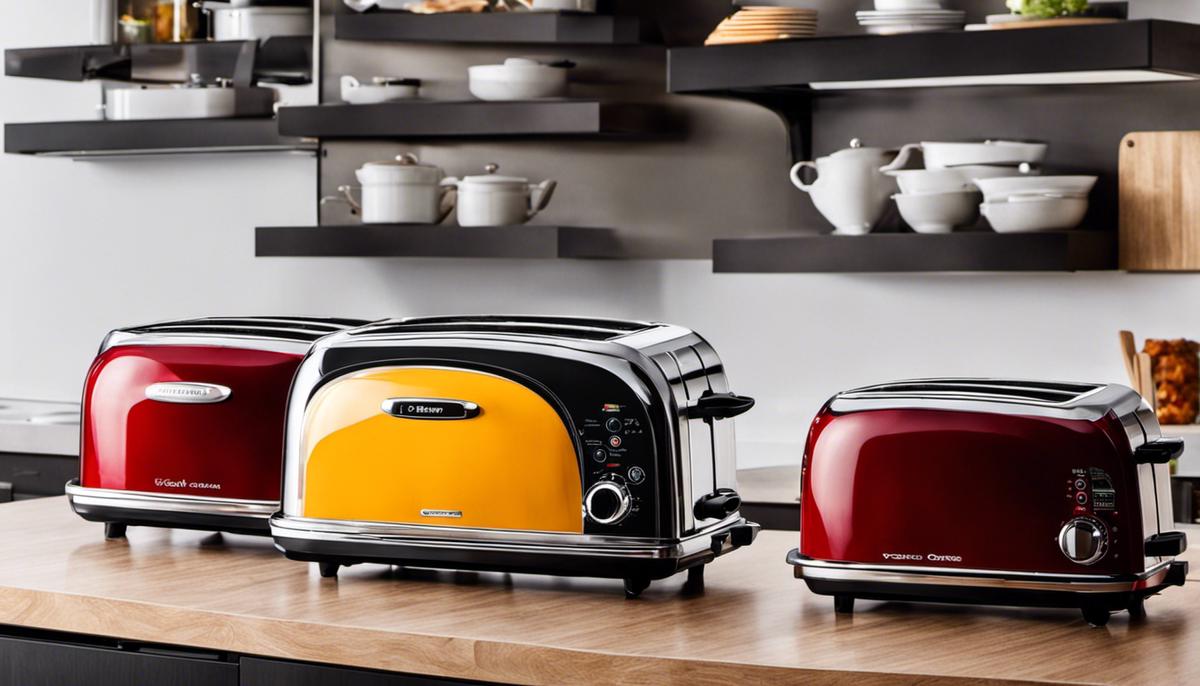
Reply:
x=519, y=78
x=403, y=191
x=1000, y=189
x=939, y=212
x=849, y=190
x=171, y=102
x=952, y=179
x=381, y=89
x=492, y=200
x=941, y=155
x=256, y=23
x=1026, y=214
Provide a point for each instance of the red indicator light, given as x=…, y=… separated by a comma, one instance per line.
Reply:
x=613, y=465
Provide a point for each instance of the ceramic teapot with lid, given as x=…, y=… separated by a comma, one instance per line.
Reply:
x=400, y=191
x=493, y=200
x=849, y=190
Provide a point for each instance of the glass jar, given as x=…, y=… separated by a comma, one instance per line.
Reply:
x=175, y=21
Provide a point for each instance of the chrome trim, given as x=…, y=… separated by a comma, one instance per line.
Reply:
x=284, y=527
x=166, y=502
x=264, y=343
x=188, y=392
x=624, y=502
x=469, y=409
x=1098, y=537
x=934, y=576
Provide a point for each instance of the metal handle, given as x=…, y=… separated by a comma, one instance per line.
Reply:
x=1161, y=451
x=719, y=406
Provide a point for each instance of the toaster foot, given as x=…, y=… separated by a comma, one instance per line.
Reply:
x=635, y=585
x=695, y=579
x=843, y=604
x=1137, y=608
x=329, y=570
x=114, y=530
x=1095, y=615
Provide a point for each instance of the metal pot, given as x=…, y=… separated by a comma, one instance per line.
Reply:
x=232, y=22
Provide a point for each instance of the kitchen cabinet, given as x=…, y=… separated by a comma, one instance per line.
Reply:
x=149, y=137
x=54, y=659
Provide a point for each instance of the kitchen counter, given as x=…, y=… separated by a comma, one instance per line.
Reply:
x=39, y=428
x=753, y=624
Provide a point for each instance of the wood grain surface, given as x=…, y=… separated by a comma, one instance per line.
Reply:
x=753, y=624
x=1160, y=201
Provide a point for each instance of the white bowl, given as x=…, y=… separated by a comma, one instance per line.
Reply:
x=564, y=6
x=939, y=212
x=380, y=89
x=1032, y=214
x=908, y=5
x=1000, y=189
x=913, y=181
x=517, y=79
x=940, y=155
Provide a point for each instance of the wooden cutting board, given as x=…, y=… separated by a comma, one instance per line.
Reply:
x=1159, y=180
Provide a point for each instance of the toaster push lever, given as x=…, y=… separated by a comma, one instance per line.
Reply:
x=719, y=406
x=718, y=505
x=1166, y=544
x=1161, y=451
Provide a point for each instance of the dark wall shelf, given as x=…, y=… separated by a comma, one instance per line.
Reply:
x=387, y=240
x=159, y=136
x=430, y=119
x=910, y=252
x=1165, y=48
x=284, y=59
x=493, y=27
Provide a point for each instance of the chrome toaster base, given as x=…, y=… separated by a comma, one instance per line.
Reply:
x=119, y=509
x=1095, y=595
x=335, y=544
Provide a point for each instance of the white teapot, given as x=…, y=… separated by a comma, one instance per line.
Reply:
x=849, y=190
x=493, y=200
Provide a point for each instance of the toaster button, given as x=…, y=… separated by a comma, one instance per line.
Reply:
x=599, y=455
x=1083, y=540
x=1081, y=498
x=636, y=475
x=613, y=424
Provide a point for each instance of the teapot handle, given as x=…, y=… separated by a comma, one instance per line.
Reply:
x=795, y=176
x=539, y=196
x=901, y=157
x=347, y=196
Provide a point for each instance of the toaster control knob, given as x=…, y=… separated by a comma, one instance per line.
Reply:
x=1083, y=540
x=607, y=502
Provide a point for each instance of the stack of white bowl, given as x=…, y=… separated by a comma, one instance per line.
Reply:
x=1037, y=203
x=945, y=195
x=910, y=16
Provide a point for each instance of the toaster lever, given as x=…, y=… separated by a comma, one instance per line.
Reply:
x=1166, y=544
x=1161, y=451
x=718, y=504
x=719, y=406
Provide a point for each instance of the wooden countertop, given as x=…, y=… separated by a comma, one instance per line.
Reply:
x=754, y=623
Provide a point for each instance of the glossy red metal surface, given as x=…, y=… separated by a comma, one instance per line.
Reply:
x=963, y=490
x=229, y=449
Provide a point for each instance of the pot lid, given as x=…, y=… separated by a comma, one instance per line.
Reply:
x=856, y=149
x=406, y=160
x=493, y=179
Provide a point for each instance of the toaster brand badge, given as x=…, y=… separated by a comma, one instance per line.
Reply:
x=916, y=557
x=190, y=393
x=430, y=408
x=184, y=483
x=442, y=514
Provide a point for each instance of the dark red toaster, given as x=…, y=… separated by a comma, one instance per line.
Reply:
x=183, y=422
x=991, y=492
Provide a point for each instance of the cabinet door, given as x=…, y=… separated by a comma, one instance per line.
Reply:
x=261, y=672
x=36, y=662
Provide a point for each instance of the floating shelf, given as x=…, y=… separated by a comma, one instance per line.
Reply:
x=284, y=59
x=489, y=27
x=428, y=119
x=1142, y=50
x=387, y=240
x=910, y=252
x=149, y=137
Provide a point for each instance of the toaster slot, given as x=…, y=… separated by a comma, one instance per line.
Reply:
x=670, y=369
x=724, y=438
x=700, y=432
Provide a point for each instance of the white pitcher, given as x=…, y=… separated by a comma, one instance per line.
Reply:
x=849, y=190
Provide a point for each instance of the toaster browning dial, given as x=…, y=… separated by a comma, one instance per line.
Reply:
x=607, y=502
x=1083, y=540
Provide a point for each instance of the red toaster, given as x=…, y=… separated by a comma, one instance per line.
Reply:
x=183, y=422
x=990, y=492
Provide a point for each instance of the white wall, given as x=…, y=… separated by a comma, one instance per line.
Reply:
x=86, y=246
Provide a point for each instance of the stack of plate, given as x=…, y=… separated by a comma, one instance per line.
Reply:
x=757, y=24
x=910, y=20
